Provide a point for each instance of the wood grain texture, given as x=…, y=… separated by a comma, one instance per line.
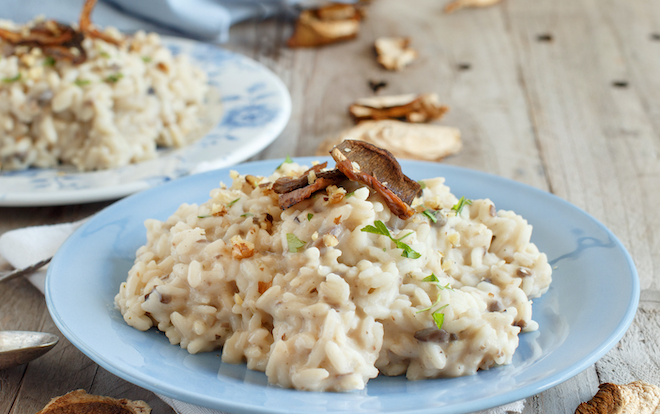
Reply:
x=562, y=95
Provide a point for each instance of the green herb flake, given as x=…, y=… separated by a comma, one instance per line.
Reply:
x=351, y=194
x=422, y=184
x=309, y=216
x=49, y=61
x=201, y=217
x=287, y=160
x=231, y=203
x=380, y=228
x=115, y=77
x=82, y=82
x=14, y=79
x=439, y=318
x=295, y=244
x=104, y=54
x=431, y=278
x=247, y=215
x=146, y=59
x=458, y=207
x=428, y=213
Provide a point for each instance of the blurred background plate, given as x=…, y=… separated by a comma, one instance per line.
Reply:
x=255, y=106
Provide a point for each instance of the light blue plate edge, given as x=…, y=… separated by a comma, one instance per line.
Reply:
x=467, y=407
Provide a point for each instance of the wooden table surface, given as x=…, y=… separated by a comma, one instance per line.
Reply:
x=563, y=95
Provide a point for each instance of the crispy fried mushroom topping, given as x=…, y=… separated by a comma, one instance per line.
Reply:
x=294, y=190
x=394, y=53
x=412, y=108
x=378, y=169
x=58, y=40
x=637, y=397
x=329, y=24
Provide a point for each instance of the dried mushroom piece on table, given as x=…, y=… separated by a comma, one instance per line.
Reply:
x=79, y=402
x=411, y=141
x=461, y=4
x=325, y=25
x=410, y=107
x=378, y=169
x=637, y=397
x=393, y=52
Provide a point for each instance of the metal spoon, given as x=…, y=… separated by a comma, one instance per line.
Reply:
x=19, y=347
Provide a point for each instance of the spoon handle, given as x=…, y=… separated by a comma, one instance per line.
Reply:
x=4, y=276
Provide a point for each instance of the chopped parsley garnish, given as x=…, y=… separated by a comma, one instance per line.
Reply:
x=247, y=215
x=14, y=79
x=431, y=278
x=49, y=61
x=207, y=216
x=231, y=203
x=104, y=54
x=438, y=316
x=352, y=193
x=422, y=184
x=309, y=216
x=295, y=244
x=287, y=160
x=146, y=59
x=114, y=78
x=82, y=82
x=458, y=207
x=380, y=228
x=428, y=213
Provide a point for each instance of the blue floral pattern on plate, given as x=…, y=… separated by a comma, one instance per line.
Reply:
x=255, y=109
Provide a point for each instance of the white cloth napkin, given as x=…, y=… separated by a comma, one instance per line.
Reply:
x=23, y=247
x=203, y=19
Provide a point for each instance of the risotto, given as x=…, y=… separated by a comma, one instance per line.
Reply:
x=129, y=96
x=326, y=294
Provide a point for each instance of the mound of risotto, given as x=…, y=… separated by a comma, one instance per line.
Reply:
x=96, y=100
x=338, y=287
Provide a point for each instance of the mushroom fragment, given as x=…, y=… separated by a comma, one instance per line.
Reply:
x=636, y=397
x=79, y=401
x=325, y=25
x=461, y=4
x=378, y=169
x=411, y=141
x=59, y=40
x=394, y=53
x=294, y=190
x=413, y=108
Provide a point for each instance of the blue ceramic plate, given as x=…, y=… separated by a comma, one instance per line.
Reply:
x=590, y=304
x=250, y=107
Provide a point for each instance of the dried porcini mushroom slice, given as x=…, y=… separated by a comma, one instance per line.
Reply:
x=394, y=53
x=412, y=108
x=378, y=169
x=411, y=141
x=329, y=24
x=59, y=40
x=461, y=4
x=79, y=401
x=294, y=190
x=636, y=397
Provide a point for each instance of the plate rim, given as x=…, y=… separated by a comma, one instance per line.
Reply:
x=484, y=403
x=111, y=192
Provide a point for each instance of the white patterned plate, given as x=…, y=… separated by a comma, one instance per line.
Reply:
x=255, y=109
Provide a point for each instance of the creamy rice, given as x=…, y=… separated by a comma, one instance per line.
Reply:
x=318, y=304
x=111, y=110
